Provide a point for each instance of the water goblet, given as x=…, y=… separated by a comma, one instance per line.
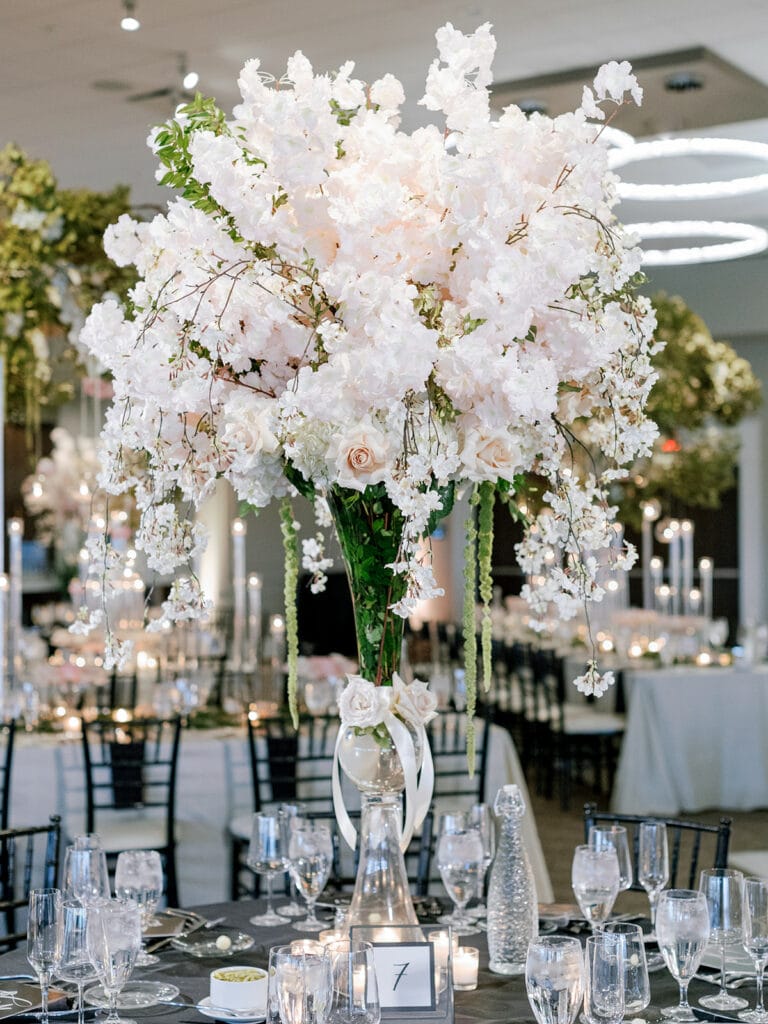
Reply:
x=480, y=817
x=682, y=932
x=291, y=814
x=595, y=882
x=139, y=879
x=723, y=890
x=554, y=979
x=755, y=937
x=637, y=988
x=355, y=994
x=268, y=856
x=604, y=978
x=460, y=859
x=310, y=857
x=653, y=861
x=86, y=876
x=113, y=936
x=303, y=986
x=75, y=965
x=604, y=837
x=45, y=927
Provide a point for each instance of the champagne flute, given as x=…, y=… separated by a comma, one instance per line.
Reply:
x=291, y=814
x=653, y=862
x=554, y=979
x=682, y=932
x=480, y=817
x=595, y=881
x=139, y=879
x=605, y=837
x=310, y=853
x=755, y=925
x=460, y=860
x=268, y=856
x=44, y=939
x=604, y=978
x=76, y=966
x=722, y=888
x=113, y=937
x=637, y=988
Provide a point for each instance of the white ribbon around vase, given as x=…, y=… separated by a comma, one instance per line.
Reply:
x=418, y=785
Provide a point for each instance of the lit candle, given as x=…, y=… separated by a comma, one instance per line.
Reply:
x=663, y=595
x=465, y=967
x=651, y=512
x=656, y=569
x=331, y=935
x=15, y=535
x=694, y=601
x=254, y=619
x=239, y=531
x=686, y=572
x=672, y=534
x=706, y=571
x=358, y=985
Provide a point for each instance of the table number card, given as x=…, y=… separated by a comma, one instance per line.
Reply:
x=413, y=983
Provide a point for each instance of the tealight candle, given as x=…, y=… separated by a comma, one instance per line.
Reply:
x=465, y=966
x=331, y=935
x=440, y=941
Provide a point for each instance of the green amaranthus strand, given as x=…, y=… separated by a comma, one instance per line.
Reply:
x=470, y=639
x=290, y=585
x=487, y=497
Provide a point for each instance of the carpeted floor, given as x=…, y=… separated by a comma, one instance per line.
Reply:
x=560, y=831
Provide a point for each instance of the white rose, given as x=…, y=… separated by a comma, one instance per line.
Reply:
x=424, y=701
x=361, y=458
x=413, y=704
x=248, y=430
x=489, y=455
x=362, y=704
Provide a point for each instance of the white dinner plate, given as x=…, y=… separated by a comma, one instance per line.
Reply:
x=735, y=959
x=231, y=1016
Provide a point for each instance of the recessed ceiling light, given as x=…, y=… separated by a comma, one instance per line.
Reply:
x=190, y=80
x=129, y=22
x=746, y=240
x=668, y=148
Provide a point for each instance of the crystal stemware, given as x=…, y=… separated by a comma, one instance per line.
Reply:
x=755, y=937
x=303, y=986
x=310, y=853
x=86, y=876
x=113, y=936
x=554, y=979
x=45, y=929
x=723, y=890
x=139, y=879
x=480, y=817
x=355, y=998
x=637, y=988
x=268, y=856
x=606, y=837
x=652, y=861
x=460, y=860
x=682, y=932
x=604, y=978
x=595, y=882
x=75, y=965
x=291, y=814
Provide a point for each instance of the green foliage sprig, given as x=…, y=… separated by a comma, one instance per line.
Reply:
x=470, y=636
x=290, y=585
x=487, y=495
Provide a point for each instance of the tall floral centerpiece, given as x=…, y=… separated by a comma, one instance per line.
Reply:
x=334, y=307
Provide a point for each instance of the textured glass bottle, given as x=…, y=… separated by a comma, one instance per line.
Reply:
x=512, y=903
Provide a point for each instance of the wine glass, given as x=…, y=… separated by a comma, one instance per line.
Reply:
x=595, y=881
x=604, y=978
x=722, y=888
x=268, y=856
x=75, y=965
x=480, y=817
x=755, y=935
x=653, y=861
x=113, y=937
x=303, y=986
x=637, y=988
x=86, y=876
x=310, y=856
x=355, y=993
x=291, y=813
x=45, y=927
x=682, y=932
x=604, y=837
x=460, y=860
x=554, y=978
x=139, y=879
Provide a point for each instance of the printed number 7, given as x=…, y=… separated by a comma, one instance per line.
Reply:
x=401, y=975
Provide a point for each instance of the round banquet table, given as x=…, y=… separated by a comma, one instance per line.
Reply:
x=497, y=1000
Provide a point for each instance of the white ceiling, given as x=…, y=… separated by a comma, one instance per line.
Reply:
x=52, y=51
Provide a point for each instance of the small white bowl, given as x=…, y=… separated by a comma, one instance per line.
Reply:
x=239, y=988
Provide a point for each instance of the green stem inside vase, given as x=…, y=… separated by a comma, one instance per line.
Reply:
x=369, y=527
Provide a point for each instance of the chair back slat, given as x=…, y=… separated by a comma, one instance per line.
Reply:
x=29, y=859
x=7, y=734
x=692, y=845
x=447, y=736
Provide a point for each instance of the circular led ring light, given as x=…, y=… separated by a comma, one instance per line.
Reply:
x=747, y=239
x=667, y=148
